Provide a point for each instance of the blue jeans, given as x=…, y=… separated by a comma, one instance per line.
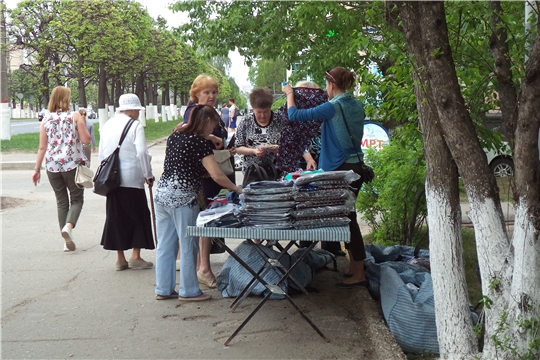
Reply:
x=171, y=226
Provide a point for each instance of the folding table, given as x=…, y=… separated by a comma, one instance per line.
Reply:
x=339, y=233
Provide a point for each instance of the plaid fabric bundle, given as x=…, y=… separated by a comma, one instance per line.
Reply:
x=296, y=136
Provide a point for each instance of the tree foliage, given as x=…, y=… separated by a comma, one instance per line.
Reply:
x=115, y=44
x=442, y=85
x=268, y=72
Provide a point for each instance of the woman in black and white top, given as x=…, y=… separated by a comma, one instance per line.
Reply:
x=187, y=158
x=257, y=137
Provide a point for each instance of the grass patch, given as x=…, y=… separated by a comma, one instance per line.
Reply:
x=471, y=263
x=30, y=142
x=21, y=143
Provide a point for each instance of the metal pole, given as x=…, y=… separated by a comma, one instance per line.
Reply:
x=5, y=113
x=153, y=213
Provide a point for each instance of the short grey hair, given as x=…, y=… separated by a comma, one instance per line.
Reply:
x=308, y=84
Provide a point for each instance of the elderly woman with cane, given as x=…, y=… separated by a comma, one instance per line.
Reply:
x=128, y=224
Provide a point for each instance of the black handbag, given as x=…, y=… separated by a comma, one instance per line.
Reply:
x=367, y=174
x=258, y=172
x=107, y=178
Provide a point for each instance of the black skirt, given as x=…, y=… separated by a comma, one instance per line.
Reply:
x=128, y=224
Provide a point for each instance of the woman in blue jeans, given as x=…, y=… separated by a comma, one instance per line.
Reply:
x=188, y=158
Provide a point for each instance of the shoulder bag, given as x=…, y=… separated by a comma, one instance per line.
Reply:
x=264, y=172
x=223, y=156
x=223, y=161
x=83, y=175
x=367, y=172
x=107, y=177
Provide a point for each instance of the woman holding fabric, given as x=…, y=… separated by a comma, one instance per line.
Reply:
x=62, y=134
x=204, y=91
x=258, y=135
x=128, y=224
x=343, y=119
x=188, y=156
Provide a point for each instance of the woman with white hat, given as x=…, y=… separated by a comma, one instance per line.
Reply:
x=128, y=224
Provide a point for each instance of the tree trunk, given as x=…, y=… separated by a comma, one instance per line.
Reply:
x=149, y=93
x=510, y=271
x=117, y=92
x=454, y=326
x=165, y=95
x=102, y=87
x=139, y=88
x=498, y=46
x=81, y=87
x=525, y=293
x=155, y=93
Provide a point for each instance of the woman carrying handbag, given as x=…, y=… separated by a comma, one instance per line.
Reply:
x=61, y=135
x=128, y=224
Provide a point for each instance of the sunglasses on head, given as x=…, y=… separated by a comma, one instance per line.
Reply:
x=332, y=79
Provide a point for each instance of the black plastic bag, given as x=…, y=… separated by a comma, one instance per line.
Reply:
x=367, y=174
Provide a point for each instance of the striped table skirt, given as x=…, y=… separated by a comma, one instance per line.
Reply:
x=337, y=233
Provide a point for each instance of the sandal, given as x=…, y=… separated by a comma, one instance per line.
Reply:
x=210, y=283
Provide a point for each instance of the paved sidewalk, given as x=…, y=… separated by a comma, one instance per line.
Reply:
x=75, y=305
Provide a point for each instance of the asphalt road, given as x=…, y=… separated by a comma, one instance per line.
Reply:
x=24, y=126
x=28, y=126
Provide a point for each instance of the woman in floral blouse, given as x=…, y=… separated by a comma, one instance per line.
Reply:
x=61, y=138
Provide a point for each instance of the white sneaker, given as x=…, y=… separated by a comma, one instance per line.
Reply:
x=68, y=238
x=178, y=265
x=66, y=248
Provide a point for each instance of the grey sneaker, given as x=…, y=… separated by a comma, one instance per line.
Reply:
x=68, y=238
x=140, y=264
x=121, y=265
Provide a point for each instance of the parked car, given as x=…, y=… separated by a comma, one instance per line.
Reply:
x=500, y=162
x=91, y=114
x=42, y=113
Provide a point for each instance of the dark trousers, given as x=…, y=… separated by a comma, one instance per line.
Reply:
x=356, y=245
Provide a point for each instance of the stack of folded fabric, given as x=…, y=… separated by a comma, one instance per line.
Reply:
x=219, y=215
x=323, y=199
x=267, y=204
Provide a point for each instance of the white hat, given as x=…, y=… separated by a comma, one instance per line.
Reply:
x=129, y=102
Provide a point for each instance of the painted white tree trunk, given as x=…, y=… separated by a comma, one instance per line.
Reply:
x=454, y=325
x=524, y=301
x=496, y=263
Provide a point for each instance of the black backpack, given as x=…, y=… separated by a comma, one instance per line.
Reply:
x=236, y=112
